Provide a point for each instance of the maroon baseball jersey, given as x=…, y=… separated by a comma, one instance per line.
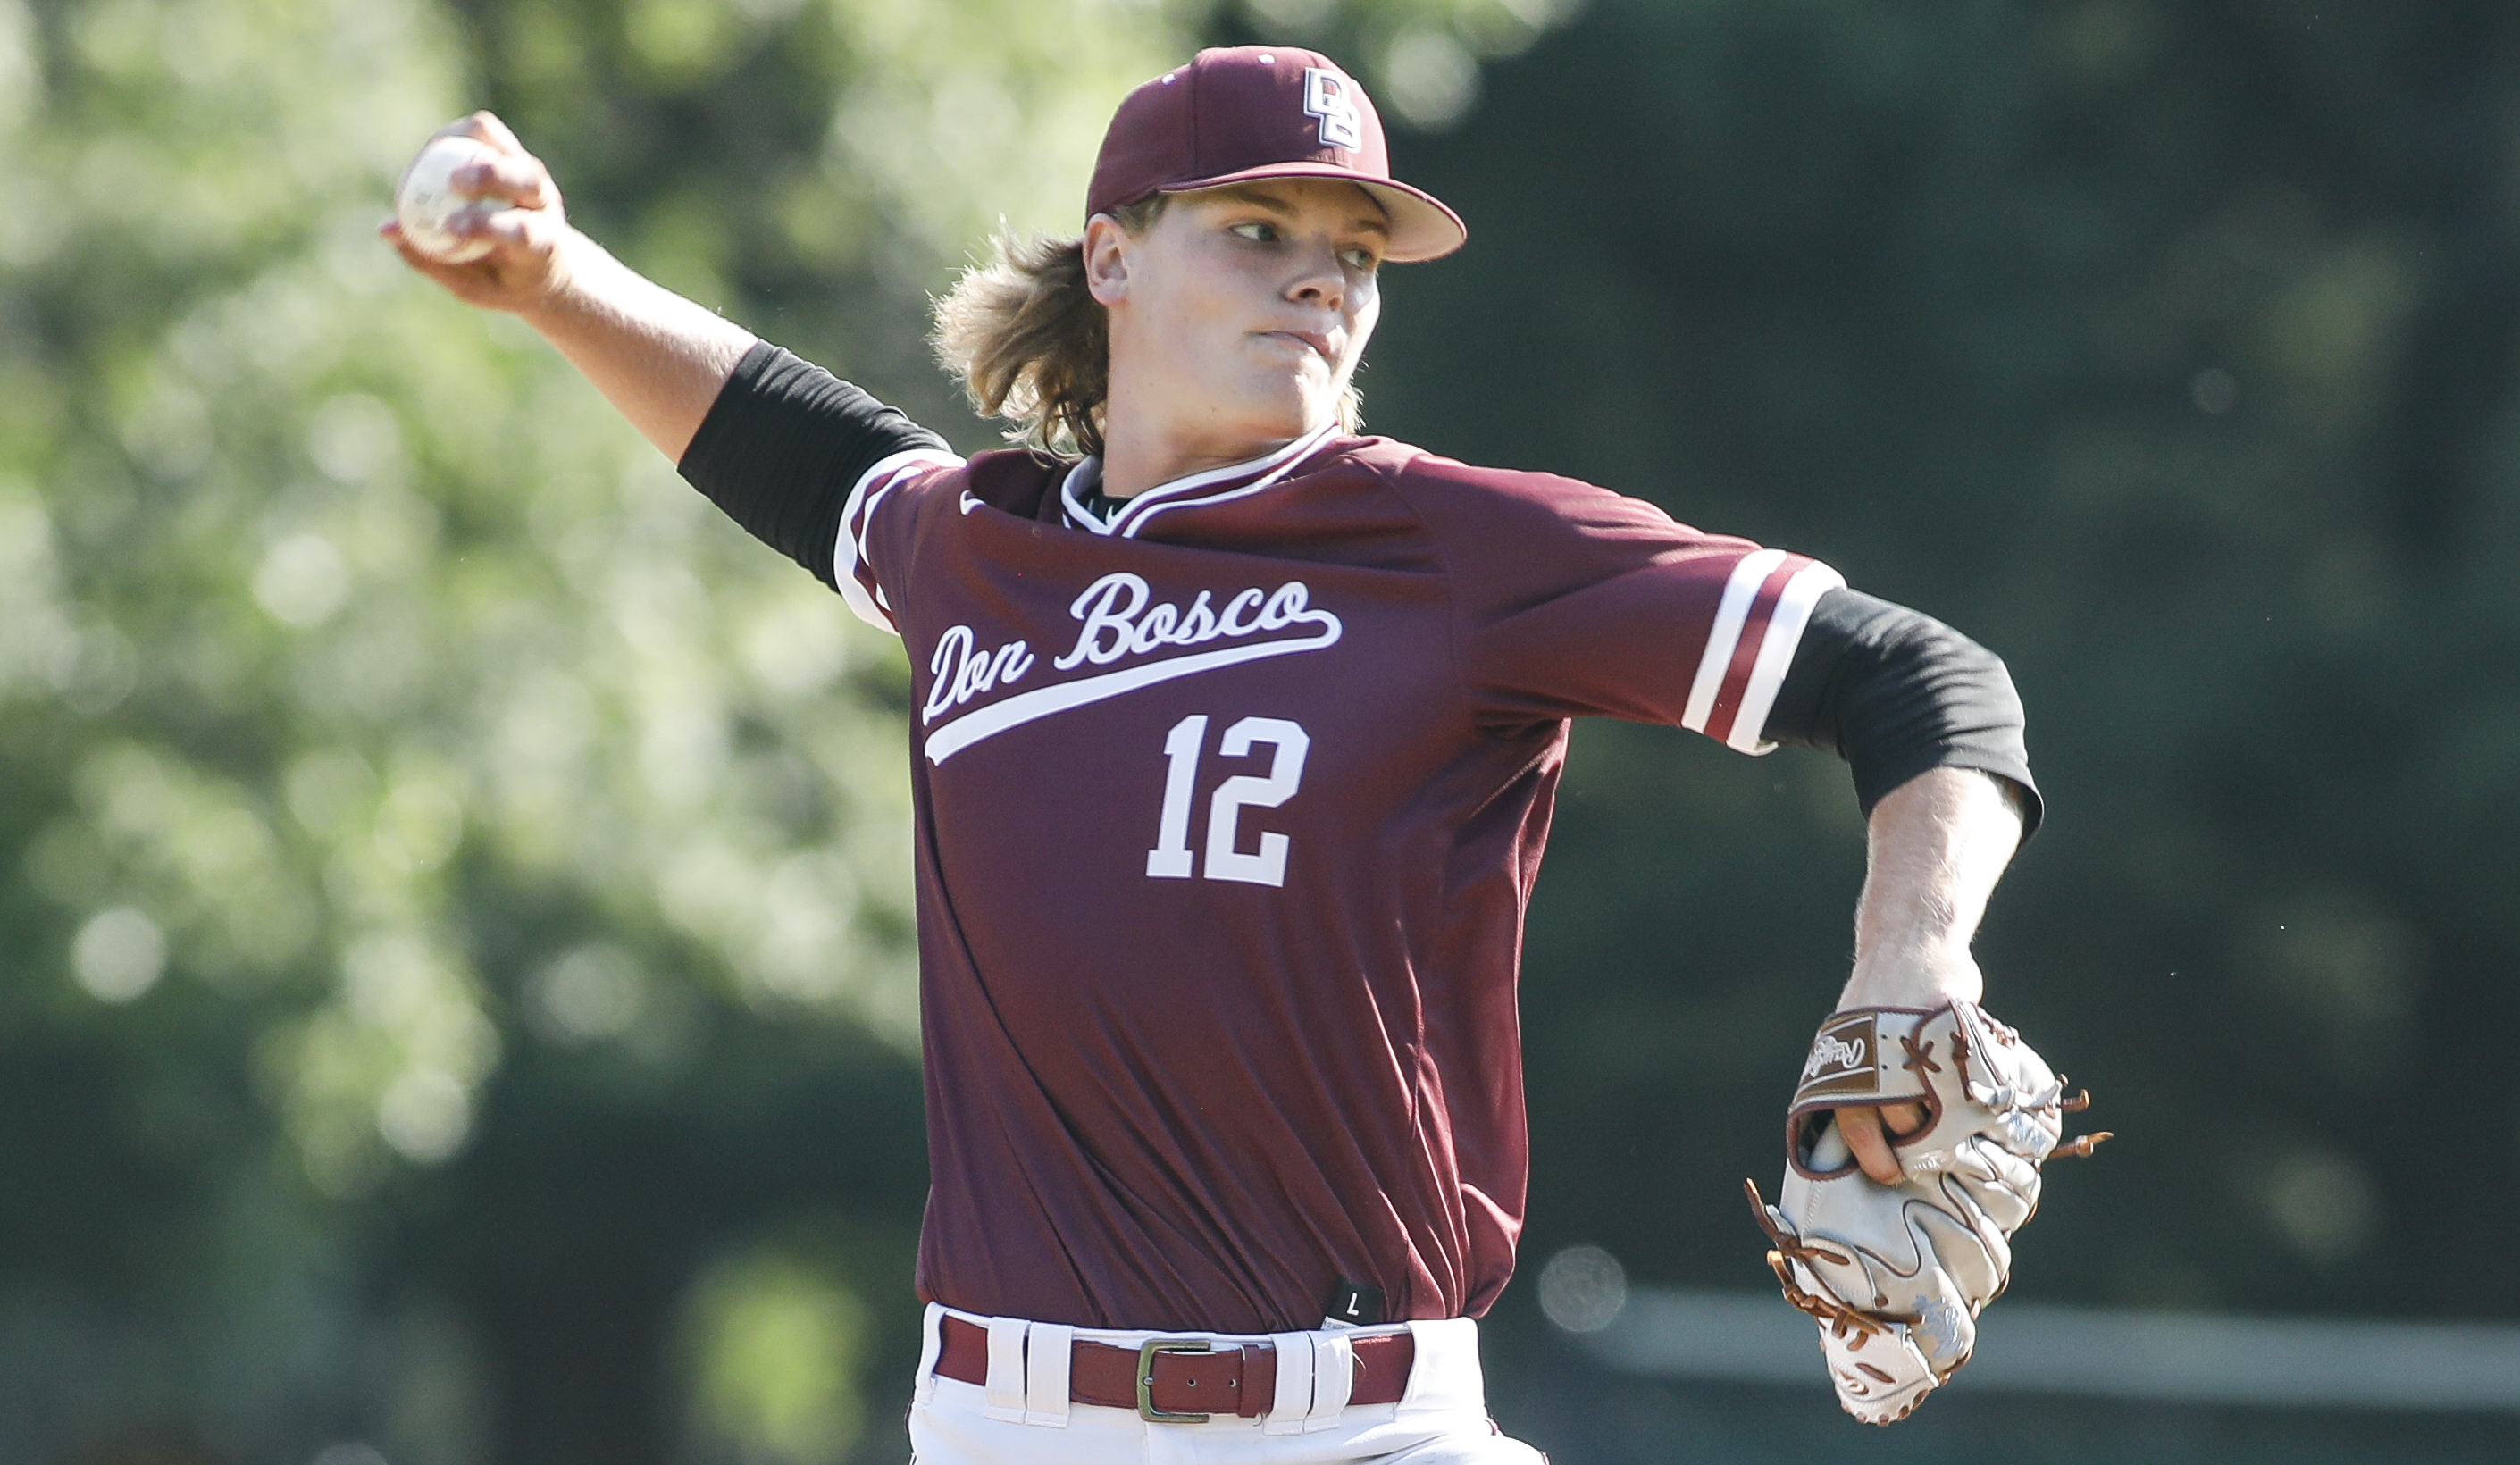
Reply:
x=1229, y=806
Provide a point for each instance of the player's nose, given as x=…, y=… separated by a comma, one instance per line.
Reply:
x=1323, y=280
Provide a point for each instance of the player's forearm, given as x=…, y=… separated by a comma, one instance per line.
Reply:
x=1936, y=846
x=658, y=358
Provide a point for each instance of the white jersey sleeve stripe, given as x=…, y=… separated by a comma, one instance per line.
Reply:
x=1725, y=636
x=859, y=585
x=1785, y=632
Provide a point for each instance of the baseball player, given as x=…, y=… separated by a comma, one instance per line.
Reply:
x=1235, y=735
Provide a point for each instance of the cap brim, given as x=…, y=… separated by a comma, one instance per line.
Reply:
x=1422, y=228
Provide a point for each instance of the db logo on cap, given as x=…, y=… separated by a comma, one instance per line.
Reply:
x=1326, y=96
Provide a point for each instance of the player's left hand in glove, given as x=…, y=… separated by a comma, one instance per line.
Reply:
x=1896, y=1274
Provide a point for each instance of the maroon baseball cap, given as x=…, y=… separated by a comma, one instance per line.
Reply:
x=1237, y=114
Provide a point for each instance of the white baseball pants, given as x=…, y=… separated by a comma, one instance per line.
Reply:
x=1442, y=1420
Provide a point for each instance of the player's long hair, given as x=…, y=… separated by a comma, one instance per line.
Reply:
x=1024, y=335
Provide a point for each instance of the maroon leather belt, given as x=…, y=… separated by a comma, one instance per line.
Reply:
x=1184, y=1379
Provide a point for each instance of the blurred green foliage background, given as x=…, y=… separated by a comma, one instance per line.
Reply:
x=453, y=891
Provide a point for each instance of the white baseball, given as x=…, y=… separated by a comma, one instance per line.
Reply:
x=426, y=200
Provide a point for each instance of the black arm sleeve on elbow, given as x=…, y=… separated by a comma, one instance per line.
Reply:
x=784, y=444
x=1896, y=692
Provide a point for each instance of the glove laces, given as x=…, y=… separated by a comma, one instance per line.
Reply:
x=1828, y=1311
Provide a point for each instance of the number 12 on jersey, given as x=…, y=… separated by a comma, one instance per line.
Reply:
x=1170, y=859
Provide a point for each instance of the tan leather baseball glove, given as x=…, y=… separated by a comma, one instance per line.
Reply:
x=1895, y=1275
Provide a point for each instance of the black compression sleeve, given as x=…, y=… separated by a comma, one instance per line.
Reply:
x=784, y=444
x=1896, y=692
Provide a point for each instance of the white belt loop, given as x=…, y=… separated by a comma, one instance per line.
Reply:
x=1048, y=1351
x=1446, y=1373
x=931, y=1342
x=1006, y=1385
x=1295, y=1383
x=1333, y=1379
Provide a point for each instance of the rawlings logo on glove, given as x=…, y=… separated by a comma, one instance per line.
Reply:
x=1832, y=1052
x=1895, y=1275
x=1839, y=1061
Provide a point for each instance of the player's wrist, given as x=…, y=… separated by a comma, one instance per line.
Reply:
x=573, y=288
x=1922, y=978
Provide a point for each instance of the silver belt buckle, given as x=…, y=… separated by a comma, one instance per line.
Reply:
x=1146, y=1352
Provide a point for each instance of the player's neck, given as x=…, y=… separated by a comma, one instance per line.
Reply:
x=1134, y=461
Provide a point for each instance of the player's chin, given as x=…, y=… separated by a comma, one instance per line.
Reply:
x=1301, y=388
x=1279, y=404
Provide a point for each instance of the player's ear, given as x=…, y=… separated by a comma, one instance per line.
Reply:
x=1108, y=258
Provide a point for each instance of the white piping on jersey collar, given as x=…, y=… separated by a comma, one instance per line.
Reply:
x=1133, y=515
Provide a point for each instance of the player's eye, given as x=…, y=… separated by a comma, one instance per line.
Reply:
x=1258, y=231
x=1361, y=260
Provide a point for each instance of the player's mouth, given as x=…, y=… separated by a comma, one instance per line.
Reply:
x=1320, y=343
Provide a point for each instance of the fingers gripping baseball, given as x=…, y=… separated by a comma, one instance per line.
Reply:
x=495, y=235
